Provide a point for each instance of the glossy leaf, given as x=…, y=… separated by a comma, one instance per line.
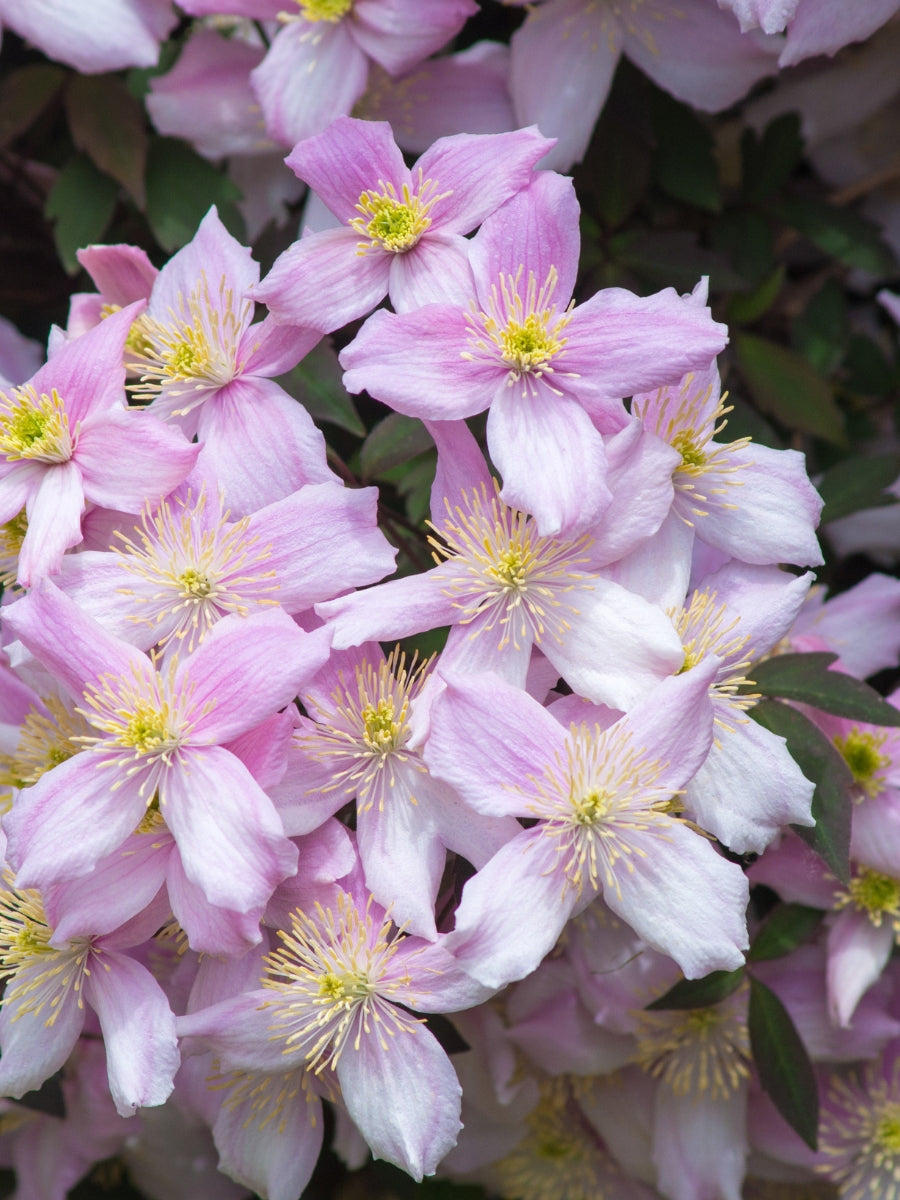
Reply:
x=820, y=332
x=81, y=205
x=24, y=94
x=785, y=386
x=806, y=678
x=769, y=161
x=786, y=928
x=316, y=382
x=782, y=1063
x=750, y=306
x=108, y=124
x=672, y=257
x=394, y=441
x=824, y=766
x=684, y=165
x=840, y=232
x=856, y=484
x=699, y=993
x=181, y=186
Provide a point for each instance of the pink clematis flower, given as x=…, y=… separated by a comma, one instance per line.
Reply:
x=158, y=746
x=401, y=228
x=319, y=61
x=541, y=366
x=106, y=35
x=205, y=364
x=565, y=55
x=599, y=802
x=66, y=438
x=49, y=978
x=334, y=1003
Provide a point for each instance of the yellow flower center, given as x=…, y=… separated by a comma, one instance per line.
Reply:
x=34, y=427
x=705, y=1051
x=391, y=222
x=861, y=753
x=325, y=10
x=525, y=329
x=876, y=895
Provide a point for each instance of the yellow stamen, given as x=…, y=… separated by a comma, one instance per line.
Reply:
x=34, y=427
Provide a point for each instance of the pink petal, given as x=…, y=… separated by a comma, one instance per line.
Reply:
x=306, y=81
x=323, y=280
x=415, y=363
x=435, y=271
x=54, y=522
x=75, y=795
x=536, y=231
x=260, y=444
x=550, y=456
x=128, y=458
x=563, y=59
x=401, y=33
x=114, y=34
x=403, y=1096
x=349, y=158
x=245, y=669
x=228, y=833
x=138, y=1031
x=858, y=952
x=122, y=274
x=391, y=610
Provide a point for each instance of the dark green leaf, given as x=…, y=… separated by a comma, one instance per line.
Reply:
x=805, y=678
x=770, y=161
x=684, y=165
x=395, y=440
x=81, y=203
x=856, y=484
x=700, y=993
x=616, y=170
x=782, y=1063
x=745, y=307
x=24, y=94
x=673, y=257
x=107, y=123
x=823, y=765
x=820, y=332
x=316, y=382
x=788, y=927
x=785, y=385
x=868, y=371
x=746, y=237
x=181, y=187
x=840, y=232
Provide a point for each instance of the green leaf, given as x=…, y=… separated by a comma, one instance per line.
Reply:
x=824, y=766
x=785, y=386
x=840, y=232
x=820, y=332
x=684, y=165
x=806, y=679
x=770, y=161
x=81, y=204
x=782, y=1063
x=24, y=94
x=700, y=993
x=394, y=441
x=858, y=483
x=672, y=257
x=745, y=307
x=868, y=371
x=316, y=383
x=107, y=123
x=788, y=927
x=616, y=169
x=181, y=186
x=746, y=237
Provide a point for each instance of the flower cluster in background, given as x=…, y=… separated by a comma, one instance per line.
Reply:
x=491, y=789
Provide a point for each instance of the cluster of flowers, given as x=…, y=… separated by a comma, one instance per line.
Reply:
x=281, y=848
x=229, y=905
